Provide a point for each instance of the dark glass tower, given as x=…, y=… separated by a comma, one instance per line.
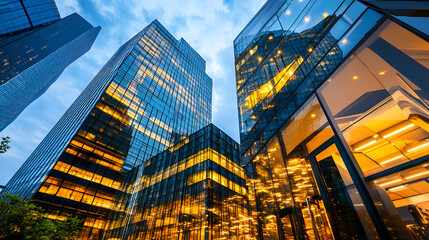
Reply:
x=152, y=93
x=21, y=15
x=334, y=113
x=34, y=59
x=194, y=190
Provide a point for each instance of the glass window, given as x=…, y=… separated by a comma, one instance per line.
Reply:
x=382, y=111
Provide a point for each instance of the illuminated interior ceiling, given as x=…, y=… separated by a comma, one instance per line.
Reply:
x=279, y=81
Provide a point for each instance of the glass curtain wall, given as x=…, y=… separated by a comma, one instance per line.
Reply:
x=382, y=112
x=305, y=182
x=194, y=190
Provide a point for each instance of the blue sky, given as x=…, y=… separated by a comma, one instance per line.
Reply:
x=209, y=26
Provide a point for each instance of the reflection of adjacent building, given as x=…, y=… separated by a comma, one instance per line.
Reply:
x=194, y=190
x=271, y=70
x=150, y=94
x=343, y=156
x=36, y=45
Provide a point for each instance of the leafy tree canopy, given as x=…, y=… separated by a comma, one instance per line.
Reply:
x=23, y=219
x=4, y=144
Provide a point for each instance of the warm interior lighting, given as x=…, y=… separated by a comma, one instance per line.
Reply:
x=397, y=188
x=325, y=15
x=366, y=145
x=313, y=115
x=310, y=49
x=390, y=160
x=259, y=59
x=279, y=52
x=418, y=147
x=288, y=12
x=279, y=81
x=398, y=131
x=270, y=37
x=382, y=73
x=344, y=41
x=251, y=51
x=417, y=175
x=307, y=19
x=388, y=183
x=355, y=77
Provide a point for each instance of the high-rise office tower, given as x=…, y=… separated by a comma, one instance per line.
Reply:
x=35, y=48
x=194, y=190
x=152, y=93
x=334, y=108
x=18, y=15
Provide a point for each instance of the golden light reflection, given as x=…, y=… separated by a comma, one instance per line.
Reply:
x=279, y=82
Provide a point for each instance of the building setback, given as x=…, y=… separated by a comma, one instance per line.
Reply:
x=333, y=105
x=194, y=190
x=152, y=93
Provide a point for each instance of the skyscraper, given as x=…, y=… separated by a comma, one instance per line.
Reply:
x=36, y=49
x=152, y=93
x=194, y=190
x=334, y=116
x=16, y=15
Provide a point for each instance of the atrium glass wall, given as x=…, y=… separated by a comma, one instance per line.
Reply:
x=194, y=190
x=341, y=153
x=150, y=95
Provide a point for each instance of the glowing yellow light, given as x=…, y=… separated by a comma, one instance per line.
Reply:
x=313, y=115
x=251, y=51
x=288, y=12
x=366, y=145
x=416, y=148
x=344, y=41
x=290, y=72
x=310, y=49
x=325, y=15
x=382, y=73
x=418, y=174
x=259, y=59
x=398, y=131
x=375, y=136
x=390, y=160
x=279, y=51
x=388, y=183
x=270, y=37
x=355, y=77
x=307, y=19
x=271, y=59
x=397, y=188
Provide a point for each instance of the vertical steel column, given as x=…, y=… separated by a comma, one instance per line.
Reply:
x=354, y=171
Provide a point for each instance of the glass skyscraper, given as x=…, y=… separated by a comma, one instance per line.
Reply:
x=35, y=51
x=151, y=94
x=333, y=107
x=21, y=15
x=194, y=190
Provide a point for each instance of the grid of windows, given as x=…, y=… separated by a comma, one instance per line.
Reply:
x=18, y=15
x=33, y=60
x=342, y=153
x=152, y=93
x=194, y=190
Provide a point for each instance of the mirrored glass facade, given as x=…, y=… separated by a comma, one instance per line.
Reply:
x=194, y=190
x=33, y=60
x=20, y=15
x=333, y=110
x=150, y=95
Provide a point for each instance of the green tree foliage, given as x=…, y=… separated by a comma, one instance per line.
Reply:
x=22, y=219
x=4, y=144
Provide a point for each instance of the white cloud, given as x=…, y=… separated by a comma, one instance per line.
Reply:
x=209, y=26
x=67, y=7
